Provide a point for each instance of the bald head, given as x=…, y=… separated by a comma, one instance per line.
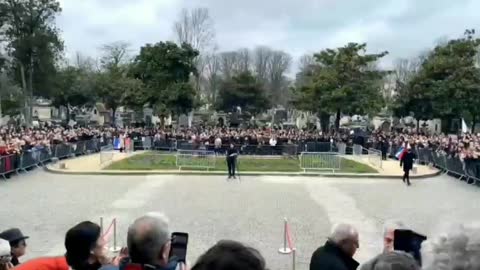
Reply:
x=148, y=239
x=345, y=236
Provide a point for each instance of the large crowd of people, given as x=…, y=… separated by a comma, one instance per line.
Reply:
x=149, y=246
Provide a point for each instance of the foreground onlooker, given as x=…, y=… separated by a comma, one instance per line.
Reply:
x=338, y=251
x=230, y=255
x=388, y=234
x=393, y=260
x=148, y=244
x=17, y=242
x=5, y=255
x=45, y=263
x=86, y=249
x=459, y=249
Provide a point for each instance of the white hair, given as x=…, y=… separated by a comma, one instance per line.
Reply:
x=4, y=248
x=147, y=236
x=342, y=232
x=392, y=225
x=459, y=249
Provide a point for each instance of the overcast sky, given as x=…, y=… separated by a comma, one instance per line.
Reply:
x=403, y=27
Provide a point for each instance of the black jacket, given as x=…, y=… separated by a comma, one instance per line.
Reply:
x=331, y=257
x=407, y=161
x=231, y=151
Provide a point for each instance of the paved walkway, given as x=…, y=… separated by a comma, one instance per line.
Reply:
x=210, y=208
x=392, y=167
x=93, y=164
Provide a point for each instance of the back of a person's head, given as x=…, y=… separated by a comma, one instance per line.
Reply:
x=458, y=249
x=230, y=255
x=80, y=241
x=395, y=260
x=147, y=237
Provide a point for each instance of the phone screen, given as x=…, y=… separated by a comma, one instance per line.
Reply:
x=179, y=246
x=410, y=242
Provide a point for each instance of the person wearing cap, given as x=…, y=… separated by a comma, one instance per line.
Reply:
x=18, y=245
x=86, y=248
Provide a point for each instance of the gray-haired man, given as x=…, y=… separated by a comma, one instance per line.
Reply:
x=338, y=251
x=148, y=242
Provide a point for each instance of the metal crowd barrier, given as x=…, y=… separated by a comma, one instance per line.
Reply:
x=39, y=156
x=320, y=161
x=248, y=149
x=375, y=157
x=467, y=169
x=342, y=148
x=195, y=159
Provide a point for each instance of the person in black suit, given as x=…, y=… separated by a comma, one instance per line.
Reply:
x=407, y=162
x=231, y=161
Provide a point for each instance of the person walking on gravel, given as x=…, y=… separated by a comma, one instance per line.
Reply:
x=406, y=160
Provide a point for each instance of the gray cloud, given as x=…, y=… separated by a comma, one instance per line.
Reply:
x=403, y=27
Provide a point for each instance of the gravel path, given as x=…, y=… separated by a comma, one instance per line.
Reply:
x=45, y=205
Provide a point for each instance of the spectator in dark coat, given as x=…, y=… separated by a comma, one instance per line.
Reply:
x=407, y=162
x=338, y=251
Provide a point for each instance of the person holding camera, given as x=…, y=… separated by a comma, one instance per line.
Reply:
x=149, y=246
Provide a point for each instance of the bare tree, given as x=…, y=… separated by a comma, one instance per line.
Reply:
x=262, y=57
x=404, y=69
x=305, y=62
x=244, y=60
x=278, y=64
x=196, y=28
x=229, y=64
x=115, y=55
x=306, y=66
x=212, y=76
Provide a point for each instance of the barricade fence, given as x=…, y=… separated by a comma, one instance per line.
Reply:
x=320, y=161
x=374, y=157
x=199, y=159
x=468, y=169
x=40, y=155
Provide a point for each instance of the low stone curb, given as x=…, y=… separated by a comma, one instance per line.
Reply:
x=51, y=169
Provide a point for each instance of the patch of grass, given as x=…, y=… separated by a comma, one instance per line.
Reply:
x=351, y=166
x=153, y=161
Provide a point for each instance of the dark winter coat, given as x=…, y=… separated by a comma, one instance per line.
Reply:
x=407, y=161
x=331, y=257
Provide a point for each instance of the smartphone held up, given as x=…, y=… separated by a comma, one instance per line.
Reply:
x=179, y=243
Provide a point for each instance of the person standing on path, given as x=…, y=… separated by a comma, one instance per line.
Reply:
x=231, y=160
x=406, y=160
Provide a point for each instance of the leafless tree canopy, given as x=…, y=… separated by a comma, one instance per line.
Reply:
x=305, y=62
x=262, y=56
x=404, y=69
x=115, y=54
x=244, y=60
x=196, y=28
x=212, y=75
